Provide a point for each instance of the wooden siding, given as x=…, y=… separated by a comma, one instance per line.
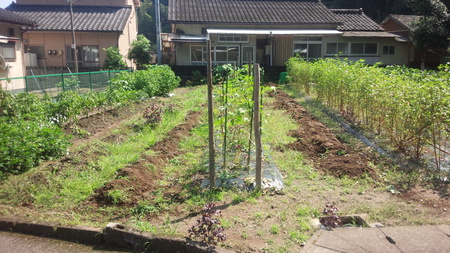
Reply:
x=283, y=49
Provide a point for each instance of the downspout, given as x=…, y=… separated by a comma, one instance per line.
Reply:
x=129, y=35
x=24, y=66
x=271, y=49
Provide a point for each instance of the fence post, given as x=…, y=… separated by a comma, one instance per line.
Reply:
x=90, y=80
x=212, y=167
x=62, y=82
x=26, y=84
x=257, y=130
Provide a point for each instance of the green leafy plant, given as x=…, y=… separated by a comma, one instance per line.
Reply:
x=154, y=80
x=70, y=83
x=23, y=144
x=139, y=51
x=113, y=59
x=407, y=106
x=207, y=228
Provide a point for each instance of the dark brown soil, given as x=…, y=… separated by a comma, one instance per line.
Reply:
x=317, y=141
x=138, y=180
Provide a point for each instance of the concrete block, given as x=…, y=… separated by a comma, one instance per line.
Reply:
x=86, y=235
x=117, y=235
x=7, y=225
x=419, y=239
x=47, y=230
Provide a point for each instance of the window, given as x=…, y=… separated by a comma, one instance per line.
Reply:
x=337, y=49
x=88, y=56
x=364, y=48
x=11, y=32
x=247, y=55
x=220, y=55
x=308, y=47
x=227, y=54
x=198, y=55
x=38, y=50
x=388, y=49
x=233, y=38
x=8, y=50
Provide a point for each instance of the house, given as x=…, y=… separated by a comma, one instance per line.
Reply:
x=402, y=25
x=97, y=24
x=271, y=31
x=11, y=57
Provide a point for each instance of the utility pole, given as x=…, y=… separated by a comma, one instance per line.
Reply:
x=158, y=32
x=74, y=43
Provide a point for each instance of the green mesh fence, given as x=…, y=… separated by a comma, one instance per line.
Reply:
x=54, y=84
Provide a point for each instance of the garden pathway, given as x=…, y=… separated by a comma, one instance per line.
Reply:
x=430, y=238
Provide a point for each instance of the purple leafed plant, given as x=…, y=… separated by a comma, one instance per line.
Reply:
x=331, y=220
x=207, y=228
x=152, y=114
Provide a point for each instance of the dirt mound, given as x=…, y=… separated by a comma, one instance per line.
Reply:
x=138, y=181
x=317, y=141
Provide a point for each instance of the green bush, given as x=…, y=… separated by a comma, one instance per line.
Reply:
x=156, y=80
x=30, y=126
x=23, y=144
x=113, y=59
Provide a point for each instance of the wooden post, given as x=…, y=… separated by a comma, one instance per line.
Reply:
x=212, y=167
x=256, y=124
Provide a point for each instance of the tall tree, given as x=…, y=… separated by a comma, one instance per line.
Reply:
x=432, y=31
x=139, y=51
x=146, y=20
x=146, y=23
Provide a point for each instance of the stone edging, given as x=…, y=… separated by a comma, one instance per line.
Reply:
x=113, y=235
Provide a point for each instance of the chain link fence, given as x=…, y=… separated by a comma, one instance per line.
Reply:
x=54, y=84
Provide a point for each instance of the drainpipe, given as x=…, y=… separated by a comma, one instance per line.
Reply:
x=271, y=49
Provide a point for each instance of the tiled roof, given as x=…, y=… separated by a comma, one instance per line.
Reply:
x=405, y=20
x=86, y=18
x=250, y=12
x=10, y=17
x=355, y=20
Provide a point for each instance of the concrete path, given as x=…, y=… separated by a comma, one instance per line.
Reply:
x=385, y=239
x=19, y=243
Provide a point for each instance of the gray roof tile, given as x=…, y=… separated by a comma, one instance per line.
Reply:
x=355, y=20
x=10, y=17
x=406, y=20
x=86, y=18
x=250, y=12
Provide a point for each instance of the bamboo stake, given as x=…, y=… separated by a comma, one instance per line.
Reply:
x=212, y=167
x=256, y=123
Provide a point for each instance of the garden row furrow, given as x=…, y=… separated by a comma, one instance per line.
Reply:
x=409, y=107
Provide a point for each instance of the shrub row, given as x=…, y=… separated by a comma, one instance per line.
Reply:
x=409, y=106
x=30, y=127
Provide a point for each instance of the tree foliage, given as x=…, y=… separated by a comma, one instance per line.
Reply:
x=139, y=51
x=432, y=30
x=147, y=22
x=113, y=59
x=377, y=10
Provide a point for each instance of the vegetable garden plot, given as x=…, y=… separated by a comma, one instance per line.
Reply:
x=236, y=148
x=409, y=107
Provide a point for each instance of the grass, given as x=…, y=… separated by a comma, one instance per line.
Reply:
x=69, y=187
